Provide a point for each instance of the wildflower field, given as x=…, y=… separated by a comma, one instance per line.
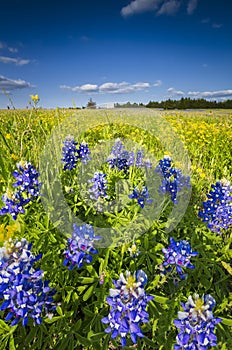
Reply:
x=115, y=229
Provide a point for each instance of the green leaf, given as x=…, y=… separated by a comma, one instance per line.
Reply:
x=97, y=336
x=227, y=267
x=11, y=343
x=86, y=280
x=59, y=311
x=149, y=342
x=159, y=299
x=54, y=319
x=4, y=326
x=88, y=293
x=82, y=340
x=227, y=321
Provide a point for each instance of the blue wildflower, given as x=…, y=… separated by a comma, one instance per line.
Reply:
x=178, y=256
x=28, y=188
x=13, y=204
x=137, y=160
x=128, y=301
x=173, y=181
x=83, y=152
x=217, y=210
x=99, y=186
x=25, y=295
x=134, y=251
x=80, y=246
x=196, y=324
x=27, y=179
x=142, y=196
x=70, y=153
x=120, y=158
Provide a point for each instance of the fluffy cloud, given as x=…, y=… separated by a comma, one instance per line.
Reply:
x=191, y=7
x=217, y=25
x=172, y=92
x=139, y=6
x=169, y=8
x=4, y=46
x=108, y=88
x=211, y=94
x=161, y=7
x=17, y=61
x=158, y=83
x=7, y=84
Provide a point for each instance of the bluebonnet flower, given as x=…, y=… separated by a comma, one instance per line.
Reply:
x=99, y=186
x=119, y=157
x=134, y=251
x=13, y=204
x=84, y=152
x=128, y=301
x=25, y=295
x=80, y=246
x=217, y=210
x=142, y=196
x=178, y=256
x=173, y=181
x=70, y=153
x=137, y=160
x=28, y=188
x=27, y=179
x=196, y=324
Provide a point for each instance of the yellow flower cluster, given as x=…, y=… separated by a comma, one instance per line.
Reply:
x=7, y=231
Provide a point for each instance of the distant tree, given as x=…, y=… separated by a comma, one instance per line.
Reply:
x=91, y=104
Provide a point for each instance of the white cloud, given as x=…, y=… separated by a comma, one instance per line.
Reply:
x=108, y=88
x=217, y=25
x=173, y=92
x=88, y=88
x=9, y=48
x=205, y=20
x=158, y=83
x=13, y=49
x=191, y=7
x=211, y=94
x=169, y=8
x=17, y=61
x=139, y=6
x=7, y=84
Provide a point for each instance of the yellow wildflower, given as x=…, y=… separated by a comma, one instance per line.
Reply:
x=13, y=156
x=8, y=136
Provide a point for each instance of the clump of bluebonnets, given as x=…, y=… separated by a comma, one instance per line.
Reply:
x=80, y=246
x=141, y=195
x=217, y=210
x=24, y=293
x=72, y=154
x=99, y=186
x=28, y=188
x=122, y=159
x=173, y=180
x=196, y=324
x=177, y=257
x=128, y=302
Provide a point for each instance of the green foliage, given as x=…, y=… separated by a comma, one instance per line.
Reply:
x=80, y=297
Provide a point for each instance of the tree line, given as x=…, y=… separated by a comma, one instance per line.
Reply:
x=183, y=103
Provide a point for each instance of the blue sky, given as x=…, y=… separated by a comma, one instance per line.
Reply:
x=114, y=51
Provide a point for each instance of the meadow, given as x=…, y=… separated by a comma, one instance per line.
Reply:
x=120, y=285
